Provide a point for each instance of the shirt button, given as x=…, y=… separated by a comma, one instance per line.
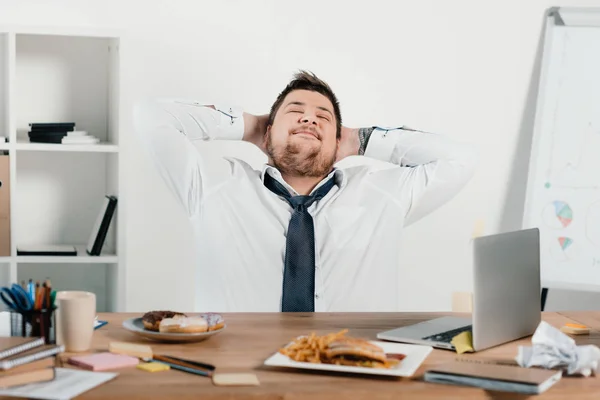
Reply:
x=317, y=296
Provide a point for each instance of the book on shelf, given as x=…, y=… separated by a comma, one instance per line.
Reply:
x=46, y=250
x=59, y=133
x=100, y=228
x=4, y=206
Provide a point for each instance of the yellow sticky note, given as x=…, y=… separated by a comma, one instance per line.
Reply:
x=463, y=342
x=235, y=379
x=153, y=367
x=478, y=229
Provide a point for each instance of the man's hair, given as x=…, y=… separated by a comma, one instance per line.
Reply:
x=304, y=80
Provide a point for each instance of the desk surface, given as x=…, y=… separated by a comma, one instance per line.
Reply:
x=251, y=338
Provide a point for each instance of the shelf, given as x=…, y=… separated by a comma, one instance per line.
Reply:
x=25, y=145
x=81, y=258
x=4, y=146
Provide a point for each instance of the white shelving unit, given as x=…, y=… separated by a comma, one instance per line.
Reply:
x=57, y=190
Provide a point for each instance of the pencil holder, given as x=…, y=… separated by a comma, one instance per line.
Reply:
x=34, y=323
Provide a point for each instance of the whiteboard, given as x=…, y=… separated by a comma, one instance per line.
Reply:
x=563, y=188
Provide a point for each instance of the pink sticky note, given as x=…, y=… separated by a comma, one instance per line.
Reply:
x=103, y=361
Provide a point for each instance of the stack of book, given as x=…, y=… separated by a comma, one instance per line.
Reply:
x=50, y=132
x=26, y=360
x=59, y=132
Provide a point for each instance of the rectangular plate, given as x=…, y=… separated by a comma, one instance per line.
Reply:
x=415, y=355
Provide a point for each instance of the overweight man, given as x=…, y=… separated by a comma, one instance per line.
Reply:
x=301, y=234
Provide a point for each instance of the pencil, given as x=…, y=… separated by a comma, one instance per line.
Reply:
x=179, y=364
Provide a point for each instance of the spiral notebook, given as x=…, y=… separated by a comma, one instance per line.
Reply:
x=10, y=345
x=30, y=355
x=491, y=376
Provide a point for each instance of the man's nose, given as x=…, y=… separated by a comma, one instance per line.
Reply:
x=309, y=119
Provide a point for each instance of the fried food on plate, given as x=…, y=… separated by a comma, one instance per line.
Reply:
x=336, y=348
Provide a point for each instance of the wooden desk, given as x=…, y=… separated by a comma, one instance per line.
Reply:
x=251, y=338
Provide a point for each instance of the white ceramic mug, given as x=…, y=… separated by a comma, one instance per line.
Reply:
x=75, y=314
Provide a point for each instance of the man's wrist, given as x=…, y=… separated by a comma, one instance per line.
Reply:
x=255, y=127
x=364, y=134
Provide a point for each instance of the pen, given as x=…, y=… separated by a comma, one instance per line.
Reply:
x=182, y=365
x=48, y=293
x=31, y=290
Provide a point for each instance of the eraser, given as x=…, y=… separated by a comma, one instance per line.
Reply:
x=235, y=379
x=130, y=349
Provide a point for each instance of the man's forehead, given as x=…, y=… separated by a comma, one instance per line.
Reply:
x=306, y=97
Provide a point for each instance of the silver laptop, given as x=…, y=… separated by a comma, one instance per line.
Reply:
x=506, y=296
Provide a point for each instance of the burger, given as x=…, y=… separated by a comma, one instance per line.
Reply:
x=357, y=352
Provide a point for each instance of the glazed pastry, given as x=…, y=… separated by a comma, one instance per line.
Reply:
x=152, y=319
x=215, y=321
x=183, y=325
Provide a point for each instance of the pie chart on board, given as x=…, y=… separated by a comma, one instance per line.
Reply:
x=565, y=242
x=563, y=249
x=557, y=214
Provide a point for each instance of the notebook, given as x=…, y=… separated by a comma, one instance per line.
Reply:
x=31, y=366
x=31, y=355
x=35, y=376
x=103, y=361
x=506, y=378
x=10, y=345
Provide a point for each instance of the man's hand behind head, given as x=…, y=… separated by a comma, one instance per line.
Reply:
x=255, y=130
x=349, y=143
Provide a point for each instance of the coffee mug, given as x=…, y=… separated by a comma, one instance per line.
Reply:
x=75, y=314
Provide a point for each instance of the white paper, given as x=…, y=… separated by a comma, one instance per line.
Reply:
x=552, y=348
x=5, y=323
x=68, y=383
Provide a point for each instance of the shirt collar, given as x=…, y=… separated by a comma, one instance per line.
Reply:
x=338, y=175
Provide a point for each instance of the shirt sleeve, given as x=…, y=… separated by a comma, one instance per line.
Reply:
x=170, y=131
x=430, y=169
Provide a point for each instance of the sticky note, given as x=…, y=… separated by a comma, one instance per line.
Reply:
x=478, y=228
x=103, y=361
x=463, y=342
x=153, y=367
x=235, y=379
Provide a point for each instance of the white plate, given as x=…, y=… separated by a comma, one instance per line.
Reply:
x=135, y=325
x=415, y=355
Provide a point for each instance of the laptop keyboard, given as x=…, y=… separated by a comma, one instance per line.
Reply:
x=447, y=336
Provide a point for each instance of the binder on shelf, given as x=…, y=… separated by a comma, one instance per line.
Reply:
x=4, y=206
x=98, y=235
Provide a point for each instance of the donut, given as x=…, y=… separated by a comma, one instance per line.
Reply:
x=183, y=325
x=151, y=319
x=215, y=321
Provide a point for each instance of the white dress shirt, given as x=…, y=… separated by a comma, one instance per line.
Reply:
x=241, y=226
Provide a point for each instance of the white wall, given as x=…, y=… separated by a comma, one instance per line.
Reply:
x=464, y=68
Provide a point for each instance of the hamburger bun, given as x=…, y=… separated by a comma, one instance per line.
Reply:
x=354, y=351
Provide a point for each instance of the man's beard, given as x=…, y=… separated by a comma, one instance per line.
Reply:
x=296, y=160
